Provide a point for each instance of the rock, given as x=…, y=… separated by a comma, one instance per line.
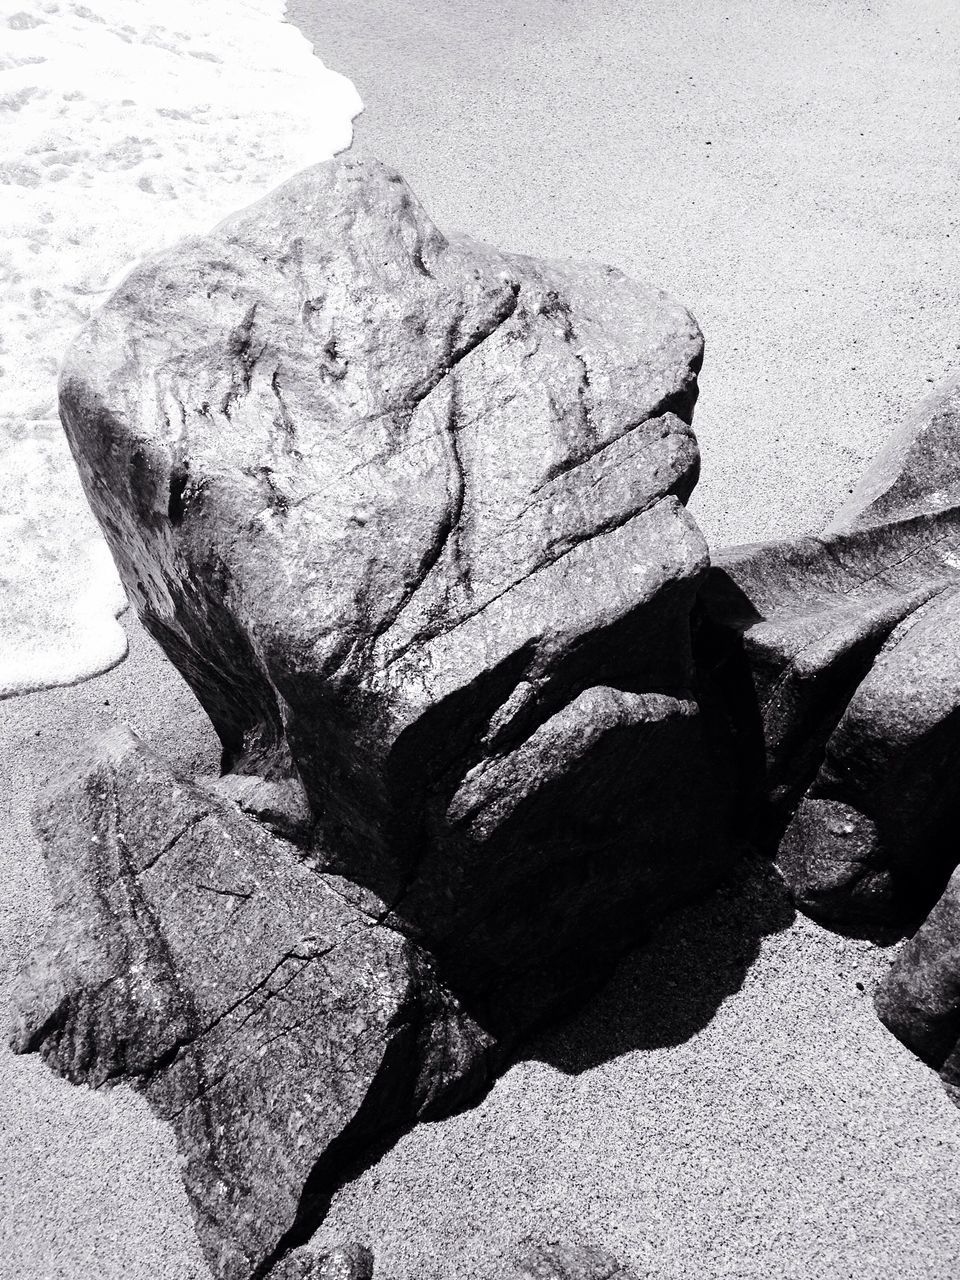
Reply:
x=351, y=1262
x=875, y=836
x=555, y=1261
x=407, y=513
x=916, y=474
x=276, y=1027
x=919, y=999
x=835, y=662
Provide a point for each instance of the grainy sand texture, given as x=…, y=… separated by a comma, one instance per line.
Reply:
x=730, y=1106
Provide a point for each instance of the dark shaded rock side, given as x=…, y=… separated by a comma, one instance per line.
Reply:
x=274, y=1025
x=919, y=999
x=835, y=662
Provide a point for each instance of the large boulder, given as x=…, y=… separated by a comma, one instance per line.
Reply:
x=277, y=1028
x=407, y=512
x=835, y=660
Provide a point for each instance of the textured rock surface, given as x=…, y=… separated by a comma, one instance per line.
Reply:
x=351, y=1262
x=555, y=1261
x=408, y=515
x=273, y=1024
x=838, y=662
x=919, y=999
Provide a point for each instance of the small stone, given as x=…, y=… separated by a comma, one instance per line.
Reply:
x=919, y=998
x=533, y=1260
x=348, y=1262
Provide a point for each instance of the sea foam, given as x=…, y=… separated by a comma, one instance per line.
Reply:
x=124, y=125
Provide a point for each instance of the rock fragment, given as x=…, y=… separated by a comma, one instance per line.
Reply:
x=837, y=661
x=560, y=1261
x=277, y=1028
x=349, y=1262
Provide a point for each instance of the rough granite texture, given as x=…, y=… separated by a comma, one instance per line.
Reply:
x=837, y=658
x=276, y=1027
x=407, y=513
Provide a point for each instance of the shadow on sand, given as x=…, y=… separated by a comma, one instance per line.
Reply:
x=660, y=994
x=670, y=988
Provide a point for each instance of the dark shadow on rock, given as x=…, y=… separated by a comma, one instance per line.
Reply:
x=670, y=988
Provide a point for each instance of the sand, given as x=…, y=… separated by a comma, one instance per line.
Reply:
x=730, y=1106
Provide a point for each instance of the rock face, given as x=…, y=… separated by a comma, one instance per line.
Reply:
x=273, y=1024
x=919, y=999
x=408, y=515
x=836, y=662
x=351, y=1262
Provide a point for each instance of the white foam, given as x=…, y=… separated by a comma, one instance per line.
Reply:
x=124, y=125
x=59, y=590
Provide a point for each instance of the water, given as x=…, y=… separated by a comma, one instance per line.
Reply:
x=125, y=125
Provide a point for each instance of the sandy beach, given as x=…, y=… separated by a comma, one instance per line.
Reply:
x=730, y=1106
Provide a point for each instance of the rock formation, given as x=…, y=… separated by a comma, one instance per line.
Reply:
x=407, y=513
x=274, y=1025
x=836, y=661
